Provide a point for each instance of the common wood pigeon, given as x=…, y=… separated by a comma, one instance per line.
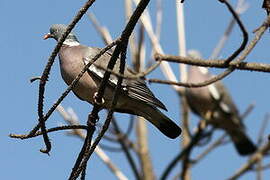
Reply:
x=135, y=98
x=214, y=104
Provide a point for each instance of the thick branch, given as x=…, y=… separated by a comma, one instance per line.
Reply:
x=215, y=63
x=120, y=48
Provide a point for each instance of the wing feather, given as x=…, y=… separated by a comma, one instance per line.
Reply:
x=136, y=89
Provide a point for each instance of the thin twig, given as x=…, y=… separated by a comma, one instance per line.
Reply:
x=195, y=139
x=165, y=67
x=259, y=32
x=247, y=111
x=125, y=149
x=221, y=139
x=241, y=7
x=251, y=161
x=110, y=148
x=35, y=79
x=259, y=170
x=262, y=129
x=71, y=118
x=107, y=38
x=59, y=128
x=267, y=166
x=211, y=147
x=228, y=60
x=243, y=30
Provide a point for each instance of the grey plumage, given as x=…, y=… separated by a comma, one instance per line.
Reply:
x=215, y=102
x=136, y=98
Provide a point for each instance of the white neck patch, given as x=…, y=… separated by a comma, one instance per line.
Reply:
x=203, y=70
x=70, y=42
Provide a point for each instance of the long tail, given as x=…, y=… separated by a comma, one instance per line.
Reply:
x=159, y=120
x=242, y=143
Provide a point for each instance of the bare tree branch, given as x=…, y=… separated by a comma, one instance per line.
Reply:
x=195, y=139
x=241, y=7
x=120, y=48
x=216, y=63
x=71, y=118
x=259, y=32
x=252, y=160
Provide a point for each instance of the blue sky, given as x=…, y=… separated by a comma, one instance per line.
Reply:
x=25, y=53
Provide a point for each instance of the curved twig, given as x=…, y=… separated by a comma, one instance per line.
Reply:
x=251, y=161
x=259, y=32
x=194, y=140
x=243, y=30
x=59, y=128
x=241, y=7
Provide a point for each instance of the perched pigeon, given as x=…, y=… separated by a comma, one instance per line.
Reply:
x=214, y=103
x=135, y=98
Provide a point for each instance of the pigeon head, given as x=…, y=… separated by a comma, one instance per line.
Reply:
x=57, y=30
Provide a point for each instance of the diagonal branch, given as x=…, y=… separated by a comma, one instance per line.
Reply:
x=253, y=160
x=194, y=140
x=81, y=162
x=71, y=118
x=120, y=48
x=125, y=149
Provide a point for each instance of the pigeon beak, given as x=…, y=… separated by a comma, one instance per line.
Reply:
x=48, y=36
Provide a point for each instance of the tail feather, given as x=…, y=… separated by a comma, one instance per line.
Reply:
x=162, y=122
x=242, y=143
